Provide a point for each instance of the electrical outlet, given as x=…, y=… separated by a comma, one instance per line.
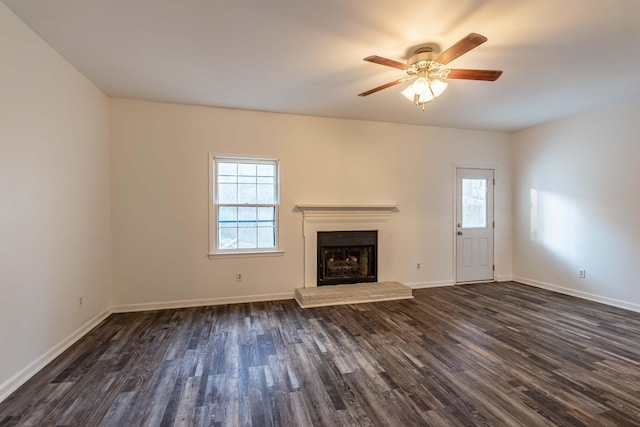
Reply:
x=80, y=301
x=418, y=266
x=238, y=277
x=582, y=274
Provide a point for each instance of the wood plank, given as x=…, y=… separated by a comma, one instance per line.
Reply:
x=485, y=354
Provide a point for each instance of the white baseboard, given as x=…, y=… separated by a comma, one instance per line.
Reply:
x=10, y=385
x=435, y=284
x=125, y=308
x=440, y=283
x=579, y=294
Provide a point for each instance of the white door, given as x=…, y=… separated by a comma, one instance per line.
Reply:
x=474, y=225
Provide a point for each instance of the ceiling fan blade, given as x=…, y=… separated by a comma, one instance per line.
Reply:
x=384, y=86
x=385, y=61
x=488, y=75
x=463, y=46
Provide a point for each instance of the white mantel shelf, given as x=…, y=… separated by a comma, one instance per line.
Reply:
x=304, y=207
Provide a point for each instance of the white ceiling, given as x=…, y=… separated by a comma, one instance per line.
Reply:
x=560, y=57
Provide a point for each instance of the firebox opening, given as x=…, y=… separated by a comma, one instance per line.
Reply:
x=346, y=257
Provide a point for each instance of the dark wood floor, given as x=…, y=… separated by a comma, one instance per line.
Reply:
x=490, y=354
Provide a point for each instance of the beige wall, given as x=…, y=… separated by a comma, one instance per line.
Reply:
x=577, y=205
x=159, y=176
x=102, y=196
x=54, y=201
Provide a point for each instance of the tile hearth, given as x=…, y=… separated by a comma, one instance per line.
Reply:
x=351, y=294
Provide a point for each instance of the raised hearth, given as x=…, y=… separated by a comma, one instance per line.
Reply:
x=351, y=294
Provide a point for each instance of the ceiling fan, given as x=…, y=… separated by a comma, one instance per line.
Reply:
x=426, y=67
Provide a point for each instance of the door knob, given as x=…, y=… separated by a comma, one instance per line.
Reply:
x=459, y=233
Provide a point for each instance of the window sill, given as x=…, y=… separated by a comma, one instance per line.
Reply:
x=247, y=254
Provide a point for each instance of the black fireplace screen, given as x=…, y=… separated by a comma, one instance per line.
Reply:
x=347, y=257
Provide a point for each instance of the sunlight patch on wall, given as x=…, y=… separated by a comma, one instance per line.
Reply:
x=533, y=215
x=553, y=223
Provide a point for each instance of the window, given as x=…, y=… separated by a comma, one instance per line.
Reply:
x=245, y=202
x=474, y=202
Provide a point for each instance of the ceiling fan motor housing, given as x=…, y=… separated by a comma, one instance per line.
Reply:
x=423, y=61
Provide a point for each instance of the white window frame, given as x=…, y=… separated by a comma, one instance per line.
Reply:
x=213, y=207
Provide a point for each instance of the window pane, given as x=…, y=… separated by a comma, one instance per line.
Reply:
x=227, y=193
x=227, y=178
x=247, y=216
x=247, y=169
x=227, y=216
x=266, y=194
x=227, y=168
x=266, y=216
x=266, y=170
x=247, y=237
x=265, y=180
x=247, y=193
x=266, y=237
x=227, y=238
x=474, y=202
x=243, y=179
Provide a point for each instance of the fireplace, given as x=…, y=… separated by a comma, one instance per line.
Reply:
x=329, y=218
x=346, y=257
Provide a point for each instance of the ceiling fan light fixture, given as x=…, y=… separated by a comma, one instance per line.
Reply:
x=421, y=85
x=427, y=65
x=409, y=93
x=433, y=89
x=415, y=97
x=438, y=87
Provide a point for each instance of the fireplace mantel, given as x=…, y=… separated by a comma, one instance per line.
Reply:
x=335, y=209
x=335, y=217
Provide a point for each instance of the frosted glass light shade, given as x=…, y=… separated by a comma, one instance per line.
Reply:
x=412, y=96
x=438, y=87
x=434, y=88
x=421, y=86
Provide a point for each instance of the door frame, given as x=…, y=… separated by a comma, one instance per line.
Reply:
x=454, y=228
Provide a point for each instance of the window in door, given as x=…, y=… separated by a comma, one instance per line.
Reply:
x=474, y=202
